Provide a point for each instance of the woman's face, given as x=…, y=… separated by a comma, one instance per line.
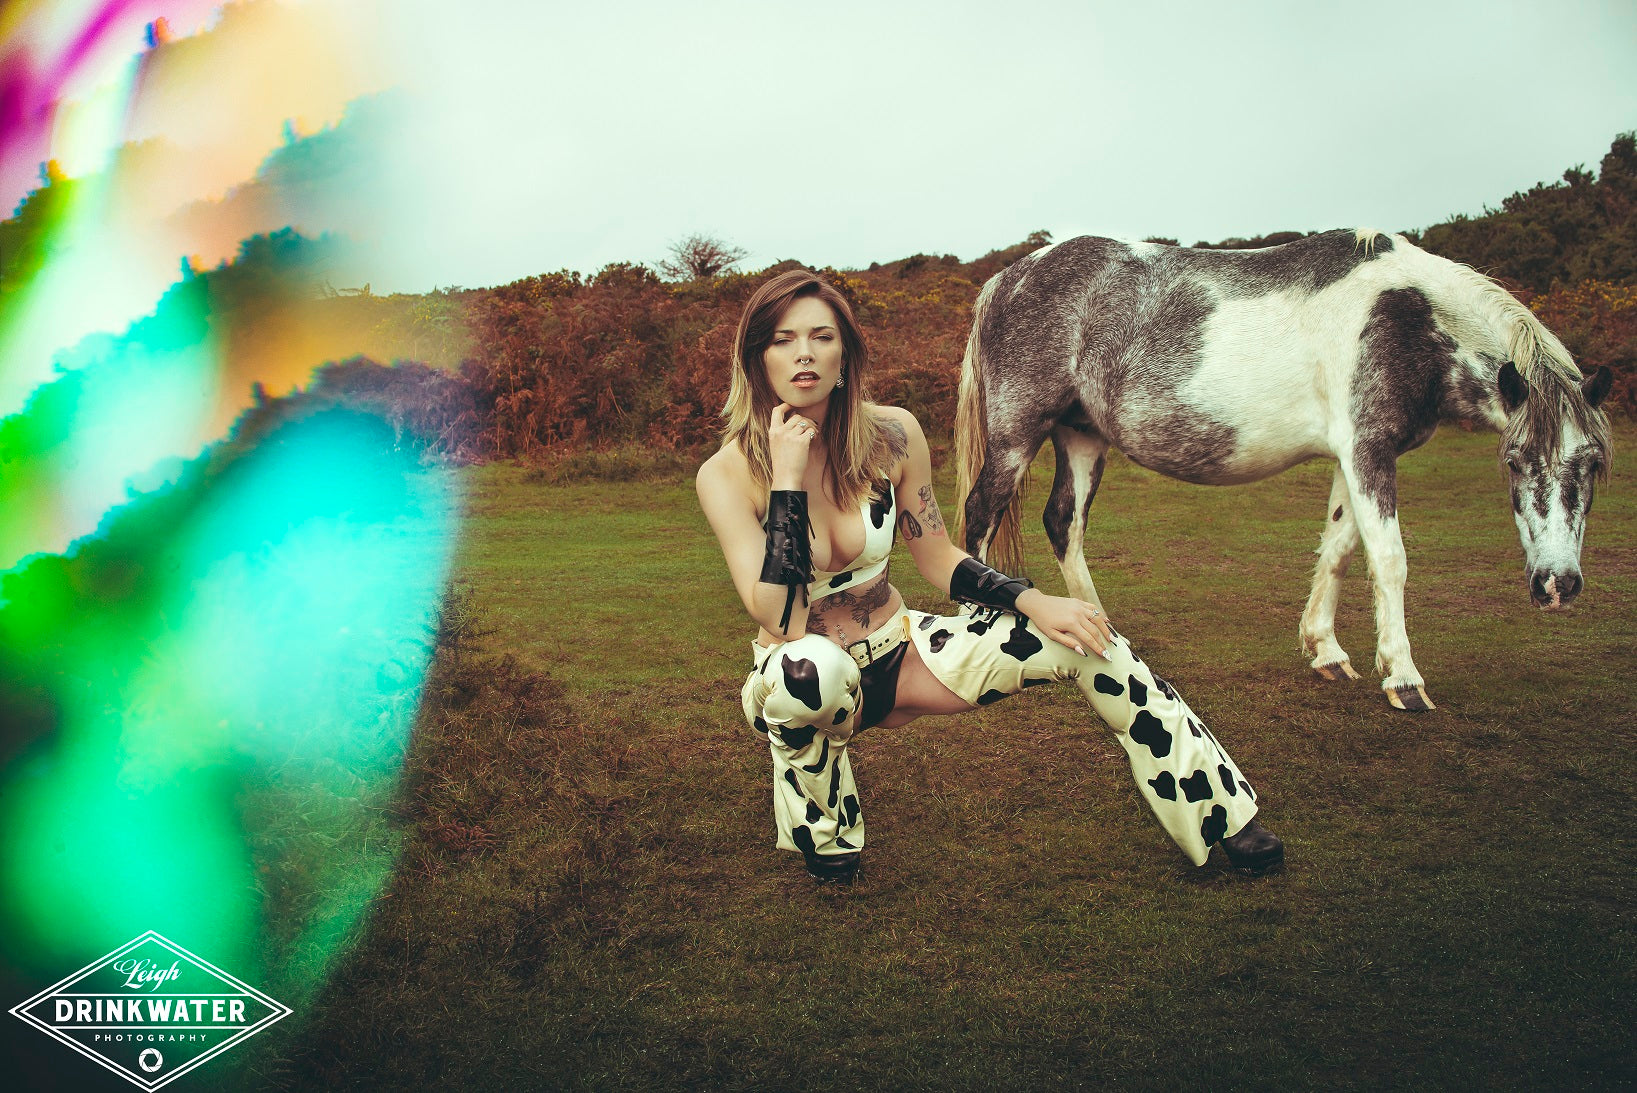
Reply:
x=804, y=361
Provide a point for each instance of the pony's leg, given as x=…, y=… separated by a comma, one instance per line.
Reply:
x=1336, y=546
x=1376, y=515
x=1074, y=486
x=992, y=491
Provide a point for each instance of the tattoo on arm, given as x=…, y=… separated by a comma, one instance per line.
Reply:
x=908, y=526
x=897, y=439
x=929, y=510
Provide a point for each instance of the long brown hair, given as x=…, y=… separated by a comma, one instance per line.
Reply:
x=855, y=443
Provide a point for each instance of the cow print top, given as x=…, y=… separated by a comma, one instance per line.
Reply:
x=879, y=513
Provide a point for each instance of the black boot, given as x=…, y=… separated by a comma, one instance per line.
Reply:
x=1255, y=850
x=832, y=868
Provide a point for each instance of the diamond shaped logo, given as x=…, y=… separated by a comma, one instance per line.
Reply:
x=151, y=1011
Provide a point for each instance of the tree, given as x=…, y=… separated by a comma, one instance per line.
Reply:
x=1582, y=228
x=699, y=257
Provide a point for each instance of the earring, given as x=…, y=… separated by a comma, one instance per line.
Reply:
x=841, y=381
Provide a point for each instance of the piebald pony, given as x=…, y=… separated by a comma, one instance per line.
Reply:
x=1221, y=367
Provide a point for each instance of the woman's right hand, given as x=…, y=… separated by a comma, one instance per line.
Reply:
x=789, y=435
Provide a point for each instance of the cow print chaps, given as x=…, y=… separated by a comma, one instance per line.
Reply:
x=805, y=697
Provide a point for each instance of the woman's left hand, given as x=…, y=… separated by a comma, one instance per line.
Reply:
x=1075, y=623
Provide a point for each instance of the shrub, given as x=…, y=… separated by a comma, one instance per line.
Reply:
x=1597, y=321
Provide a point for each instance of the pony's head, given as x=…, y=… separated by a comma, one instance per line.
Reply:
x=1555, y=447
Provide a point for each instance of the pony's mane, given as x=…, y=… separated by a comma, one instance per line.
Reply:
x=1365, y=238
x=1555, y=394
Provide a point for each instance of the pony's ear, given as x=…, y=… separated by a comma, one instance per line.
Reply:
x=1596, y=386
x=1514, y=389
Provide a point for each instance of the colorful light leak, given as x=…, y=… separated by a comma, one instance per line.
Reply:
x=217, y=605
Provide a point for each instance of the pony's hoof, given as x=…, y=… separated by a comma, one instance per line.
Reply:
x=1413, y=698
x=1337, y=672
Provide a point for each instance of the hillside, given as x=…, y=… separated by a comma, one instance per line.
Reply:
x=563, y=362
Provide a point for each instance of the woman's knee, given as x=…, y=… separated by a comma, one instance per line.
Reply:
x=811, y=682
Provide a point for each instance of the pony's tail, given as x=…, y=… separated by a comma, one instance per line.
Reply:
x=1006, y=545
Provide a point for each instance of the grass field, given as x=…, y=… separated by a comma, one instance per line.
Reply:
x=589, y=896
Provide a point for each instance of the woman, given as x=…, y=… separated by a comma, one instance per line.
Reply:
x=804, y=496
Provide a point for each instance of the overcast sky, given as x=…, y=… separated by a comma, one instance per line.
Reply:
x=521, y=136
x=543, y=138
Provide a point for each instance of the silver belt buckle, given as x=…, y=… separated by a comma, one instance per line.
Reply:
x=868, y=652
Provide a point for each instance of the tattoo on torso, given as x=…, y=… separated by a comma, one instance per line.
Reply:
x=846, y=614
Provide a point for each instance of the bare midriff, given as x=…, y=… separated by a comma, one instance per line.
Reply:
x=850, y=614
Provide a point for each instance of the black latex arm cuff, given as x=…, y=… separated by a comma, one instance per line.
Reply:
x=789, y=559
x=976, y=583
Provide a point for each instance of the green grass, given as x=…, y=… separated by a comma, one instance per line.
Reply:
x=590, y=897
